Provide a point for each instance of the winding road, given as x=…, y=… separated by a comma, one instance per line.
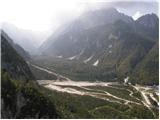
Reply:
x=64, y=84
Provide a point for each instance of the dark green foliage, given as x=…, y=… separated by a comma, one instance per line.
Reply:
x=140, y=112
x=38, y=102
x=24, y=100
x=109, y=113
x=122, y=93
x=74, y=106
x=41, y=75
x=8, y=95
x=77, y=70
x=146, y=71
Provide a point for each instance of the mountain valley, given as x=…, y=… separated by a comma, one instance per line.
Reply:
x=101, y=65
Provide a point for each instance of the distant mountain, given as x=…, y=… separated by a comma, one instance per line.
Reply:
x=100, y=17
x=88, y=20
x=17, y=47
x=22, y=37
x=106, y=38
x=148, y=25
x=12, y=62
x=148, y=20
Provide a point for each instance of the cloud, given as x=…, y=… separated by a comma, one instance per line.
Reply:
x=137, y=15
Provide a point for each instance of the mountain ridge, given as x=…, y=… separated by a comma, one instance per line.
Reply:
x=116, y=43
x=12, y=62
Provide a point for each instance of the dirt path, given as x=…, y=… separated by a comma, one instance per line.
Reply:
x=59, y=77
x=145, y=100
x=100, y=94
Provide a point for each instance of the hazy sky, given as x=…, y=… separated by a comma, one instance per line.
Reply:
x=44, y=15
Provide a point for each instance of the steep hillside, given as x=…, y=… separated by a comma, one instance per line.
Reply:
x=21, y=97
x=87, y=20
x=22, y=37
x=17, y=47
x=148, y=25
x=112, y=41
x=12, y=62
x=146, y=72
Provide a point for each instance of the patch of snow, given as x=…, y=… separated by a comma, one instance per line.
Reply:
x=129, y=83
x=111, y=36
x=96, y=63
x=110, y=46
x=71, y=58
x=87, y=60
x=126, y=80
x=78, y=56
x=60, y=56
x=81, y=52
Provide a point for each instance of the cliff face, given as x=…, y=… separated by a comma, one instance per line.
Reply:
x=13, y=62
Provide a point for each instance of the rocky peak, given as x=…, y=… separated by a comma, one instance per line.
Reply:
x=149, y=20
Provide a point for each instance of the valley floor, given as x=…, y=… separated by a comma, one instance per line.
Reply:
x=131, y=96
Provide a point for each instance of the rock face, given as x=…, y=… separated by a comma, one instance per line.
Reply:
x=149, y=20
x=148, y=25
x=93, y=30
x=17, y=47
x=108, y=36
x=12, y=62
